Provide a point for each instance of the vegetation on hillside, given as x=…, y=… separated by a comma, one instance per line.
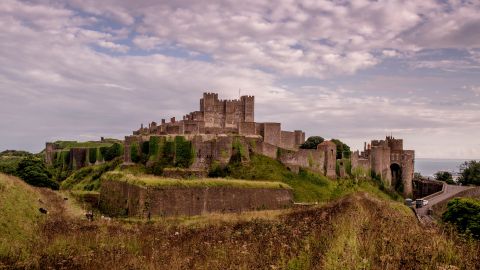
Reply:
x=163, y=152
x=9, y=160
x=97, y=152
x=307, y=186
x=445, y=177
x=33, y=171
x=359, y=231
x=464, y=213
x=470, y=173
x=19, y=217
x=88, y=178
x=149, y=180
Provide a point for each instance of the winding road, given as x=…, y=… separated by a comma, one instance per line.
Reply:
x=449, y=192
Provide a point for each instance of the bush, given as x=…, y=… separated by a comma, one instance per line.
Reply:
x=168, y=152
x=34, y=172
x=464, y=213
x=343, y=150
x=470, y=173
x=116, y=150
x=92, y=155
x=445, y=177
x=312, y=142
x=154, y=147
x=9, y=165
x=183, y=152
x=134, y=155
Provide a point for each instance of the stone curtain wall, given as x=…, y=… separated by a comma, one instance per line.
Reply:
x=124, y=199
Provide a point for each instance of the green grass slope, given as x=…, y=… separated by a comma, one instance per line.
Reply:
x=154, y=181
x=88, y=178
x=307, y=186
x=19, y=216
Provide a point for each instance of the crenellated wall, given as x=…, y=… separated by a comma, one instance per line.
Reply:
x=390, y=161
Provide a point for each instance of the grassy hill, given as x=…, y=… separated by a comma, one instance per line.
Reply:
x=155, y=181
x=19, y=216
x=358, y=231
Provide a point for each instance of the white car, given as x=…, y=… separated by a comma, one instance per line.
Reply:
x=424, y=202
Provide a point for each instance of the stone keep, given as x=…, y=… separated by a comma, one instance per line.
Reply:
x=219, y=124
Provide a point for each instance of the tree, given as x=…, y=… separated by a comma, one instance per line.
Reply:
x=445, y=177
x=343, y=150
x=465, y=214
x=33, y=171
x=470, y=173
x=417, y=176
x=312, y=142
x=113, y=151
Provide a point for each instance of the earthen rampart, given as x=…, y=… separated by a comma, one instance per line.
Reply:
x=124, y=199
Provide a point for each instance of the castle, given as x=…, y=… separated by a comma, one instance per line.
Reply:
x=222, y=129
x=388, y=160
x=220, y=126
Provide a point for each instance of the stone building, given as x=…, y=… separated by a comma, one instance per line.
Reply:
x=390, y=161
x=219, y=124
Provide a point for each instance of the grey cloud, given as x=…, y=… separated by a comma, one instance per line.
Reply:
x=53, y=85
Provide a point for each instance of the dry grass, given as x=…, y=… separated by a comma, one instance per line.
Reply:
x=360, y=231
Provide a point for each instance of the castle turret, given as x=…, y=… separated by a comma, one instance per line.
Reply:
x=248, y=104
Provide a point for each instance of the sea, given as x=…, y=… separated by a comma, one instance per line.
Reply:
x=429, y=166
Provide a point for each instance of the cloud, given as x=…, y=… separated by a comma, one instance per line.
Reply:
x=146, y=42
x=319, y=66
x=113, y=46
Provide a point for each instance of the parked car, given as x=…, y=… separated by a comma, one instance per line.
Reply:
x=419, y=203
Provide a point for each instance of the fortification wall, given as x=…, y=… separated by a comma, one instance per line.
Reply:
x=299, y=137
x=78, y=157
x=50, y=152
x=330, y=158
x=222, y=149
x=246, y=128
x=272, y=133
x=380, y=161
x=266, y=149
x=304, y=158
x=408, y=164
x=287, y=140
x=123, y=199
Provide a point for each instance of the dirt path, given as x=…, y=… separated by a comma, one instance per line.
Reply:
x=60, y=204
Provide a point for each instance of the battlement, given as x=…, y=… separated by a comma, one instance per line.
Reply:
x=210, y=95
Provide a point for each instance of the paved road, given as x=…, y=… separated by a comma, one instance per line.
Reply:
x=450, y=192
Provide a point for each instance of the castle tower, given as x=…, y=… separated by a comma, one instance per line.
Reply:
x=208, y=107
x=248, y=104
x=330, y=153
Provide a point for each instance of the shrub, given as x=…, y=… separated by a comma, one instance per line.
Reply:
x=445, y=177
x=343, y=150
x=312, y=142
x=183, y=152
x=168, y=152
x=154, y=147
x=113, y=151
x=134, y=155
x=464, y=213
x=92, y=155
x=34, y=172
x=145, y=148
x=470, y=173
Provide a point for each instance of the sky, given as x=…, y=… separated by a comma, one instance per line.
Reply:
x=353, y=70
